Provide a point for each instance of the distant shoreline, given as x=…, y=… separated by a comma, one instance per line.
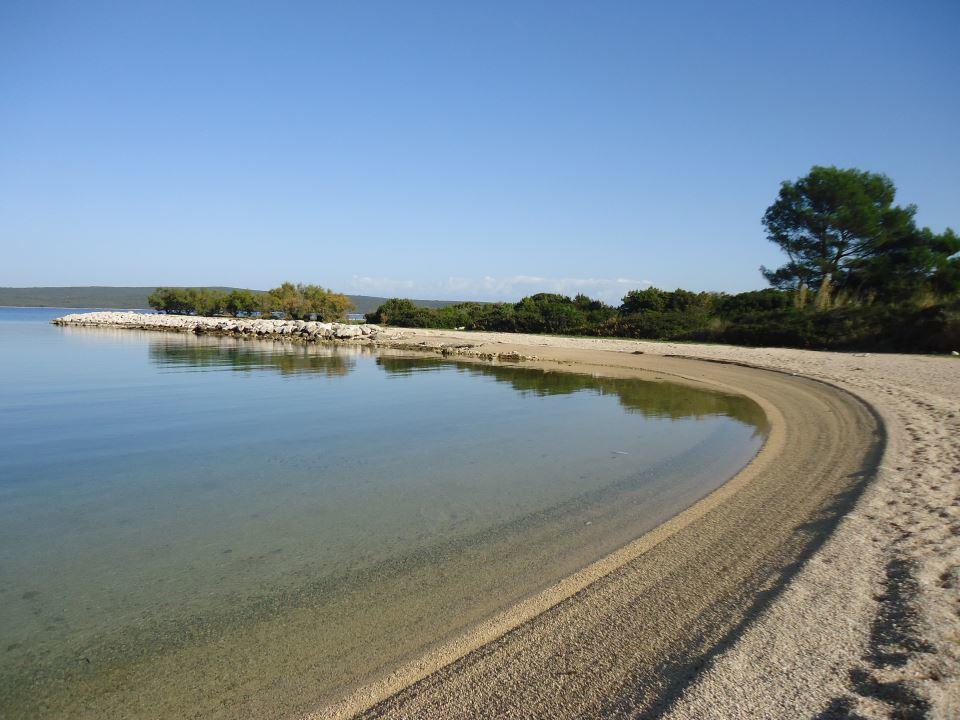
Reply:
x=63, y=307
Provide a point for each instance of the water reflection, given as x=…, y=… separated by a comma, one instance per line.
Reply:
x=649, y=398
x=241, y=355
x=653, y=399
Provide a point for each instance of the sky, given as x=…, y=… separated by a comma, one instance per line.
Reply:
x=453, y=150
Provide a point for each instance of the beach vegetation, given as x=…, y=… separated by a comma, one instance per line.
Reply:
x=188, y=301
x=289, y=300
x=304, y=302
x=844, y=237
x=757, y=318
x=242, y=303
x=859, y=274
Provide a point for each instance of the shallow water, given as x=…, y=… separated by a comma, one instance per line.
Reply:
x=213, y=527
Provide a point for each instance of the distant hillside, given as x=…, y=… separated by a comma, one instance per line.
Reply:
x=128, y=298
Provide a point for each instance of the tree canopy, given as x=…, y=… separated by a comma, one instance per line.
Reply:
x=188, y=301
x=298, y=302
x=841, y=230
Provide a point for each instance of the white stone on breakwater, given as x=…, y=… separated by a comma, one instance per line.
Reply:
x=261, y=327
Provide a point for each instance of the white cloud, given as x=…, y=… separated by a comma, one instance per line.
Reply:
x=511, y=288
x=366, y=285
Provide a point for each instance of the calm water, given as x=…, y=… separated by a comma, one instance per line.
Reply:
x=215, y=527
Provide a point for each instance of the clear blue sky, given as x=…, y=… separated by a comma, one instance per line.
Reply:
x=451, y=149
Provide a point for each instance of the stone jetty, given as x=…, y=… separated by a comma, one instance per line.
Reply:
x=248, y=327
x=439, y=342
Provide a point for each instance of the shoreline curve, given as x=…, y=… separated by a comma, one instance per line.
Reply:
x=514, y=665
x=435, y=684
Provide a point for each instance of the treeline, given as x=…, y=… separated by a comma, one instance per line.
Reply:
x=860, y=274
x=296, y=302
x=761, y=318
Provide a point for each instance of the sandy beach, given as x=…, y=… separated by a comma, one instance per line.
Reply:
x=822, y=581
x=859, y=622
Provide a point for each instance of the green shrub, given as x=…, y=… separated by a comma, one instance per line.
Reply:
x=759, y=318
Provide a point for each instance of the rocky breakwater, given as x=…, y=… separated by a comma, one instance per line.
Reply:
x=303, y=330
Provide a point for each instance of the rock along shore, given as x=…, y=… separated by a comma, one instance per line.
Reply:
x=251, y=327
x=290, y=330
